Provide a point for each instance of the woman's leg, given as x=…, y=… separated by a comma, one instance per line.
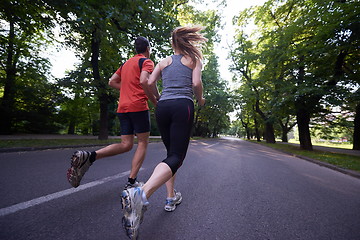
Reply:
x=161, y=174
x=170, y=187
x=174, y=118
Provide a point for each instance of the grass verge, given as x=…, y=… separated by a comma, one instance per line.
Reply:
x=341, y=160
x=34, y=143
x=326, y=144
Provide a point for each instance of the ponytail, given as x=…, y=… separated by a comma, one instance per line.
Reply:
x=189, y=41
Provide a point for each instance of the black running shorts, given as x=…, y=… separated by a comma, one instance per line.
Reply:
x=134, y=122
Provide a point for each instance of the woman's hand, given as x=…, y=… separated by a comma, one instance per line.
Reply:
x=202, y=102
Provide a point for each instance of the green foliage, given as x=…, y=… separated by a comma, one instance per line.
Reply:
x=300, y=59
x=28, y=100
x=101, y=34
x=212, y=119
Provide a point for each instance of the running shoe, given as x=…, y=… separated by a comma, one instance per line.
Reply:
x=80, y=163
x=132, y=185
x=134, y=206
x=171, y=203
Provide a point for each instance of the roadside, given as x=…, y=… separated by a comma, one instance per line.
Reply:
x=52, y=142
x=34, y=142
x=331, y=149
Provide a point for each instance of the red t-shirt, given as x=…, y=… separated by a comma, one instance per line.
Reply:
x=132, y=96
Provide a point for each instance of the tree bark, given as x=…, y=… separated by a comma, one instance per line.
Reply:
x=8, y=100
x=247, y=130
x=102, y=95
x=285, y=128
x=284, y=137
x=269, y=126
x=356, y=136
x=303, y=115
x=257, y=134
x=303, y=120
x=71, y=129
x=269, y=132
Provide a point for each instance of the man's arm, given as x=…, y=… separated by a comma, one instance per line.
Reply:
x=115, y=81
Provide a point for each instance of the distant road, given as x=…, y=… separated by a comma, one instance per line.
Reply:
x=232, y=189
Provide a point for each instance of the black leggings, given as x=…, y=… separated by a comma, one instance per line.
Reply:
x=174, y=119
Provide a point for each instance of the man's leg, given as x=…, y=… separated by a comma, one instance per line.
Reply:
x=139, y=156
x=127, y=142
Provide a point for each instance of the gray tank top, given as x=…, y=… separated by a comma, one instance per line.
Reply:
x=176, y=80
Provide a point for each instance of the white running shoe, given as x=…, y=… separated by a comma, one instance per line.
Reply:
x=171, y=203
x=134, y=204
x=135, y=184
x=80, y=163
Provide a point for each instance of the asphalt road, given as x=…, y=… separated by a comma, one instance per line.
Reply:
x=231, y=190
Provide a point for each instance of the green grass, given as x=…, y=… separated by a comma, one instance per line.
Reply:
x=327, y=144
x=30, y=143
x=337, y=159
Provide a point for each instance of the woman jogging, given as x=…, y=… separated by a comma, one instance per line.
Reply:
x=181, y=77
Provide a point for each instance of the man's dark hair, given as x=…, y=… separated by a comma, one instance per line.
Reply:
x=141, y=44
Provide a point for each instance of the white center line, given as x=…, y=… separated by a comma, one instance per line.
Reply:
x=47, y=198
x=211, y=145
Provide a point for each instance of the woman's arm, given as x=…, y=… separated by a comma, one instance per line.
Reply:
x=144, y=78
x=197, y=84
x=149, y=85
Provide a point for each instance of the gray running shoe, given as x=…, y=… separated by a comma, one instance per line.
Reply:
x=134, y=207
x=171, y=203
x=136, y=184
x=80, y=163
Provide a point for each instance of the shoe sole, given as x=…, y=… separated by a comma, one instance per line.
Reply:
x=130, y=233
x=130, y=218
x=72, y=173
x=125, y=201
x=173, y=209
x=72, y=177
x=75, y=160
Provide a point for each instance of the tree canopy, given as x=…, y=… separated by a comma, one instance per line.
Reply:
x=298, y=67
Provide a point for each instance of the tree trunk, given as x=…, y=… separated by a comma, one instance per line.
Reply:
x=102, y=95
x=269, y=132
x=248, y=133
x=303, y=120
x=8, y=100
x=257, y=134
x=356, y=138
x=269, y=127
x=284, y=130
x=303, y=115
x=284, y=137
x=71, y=129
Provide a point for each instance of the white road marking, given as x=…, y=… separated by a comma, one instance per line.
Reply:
x=47, y=198
x=211, y=145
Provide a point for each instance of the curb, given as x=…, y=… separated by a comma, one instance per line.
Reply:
x=26, y=149
x=323, y=164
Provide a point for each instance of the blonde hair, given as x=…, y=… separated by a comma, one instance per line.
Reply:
x=189, y=41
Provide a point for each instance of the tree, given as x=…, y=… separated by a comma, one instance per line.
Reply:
x=103, y=32
x=307, y=49
x=25, y=27
x=213, y=118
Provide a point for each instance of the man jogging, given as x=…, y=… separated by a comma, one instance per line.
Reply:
x=133, y=113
